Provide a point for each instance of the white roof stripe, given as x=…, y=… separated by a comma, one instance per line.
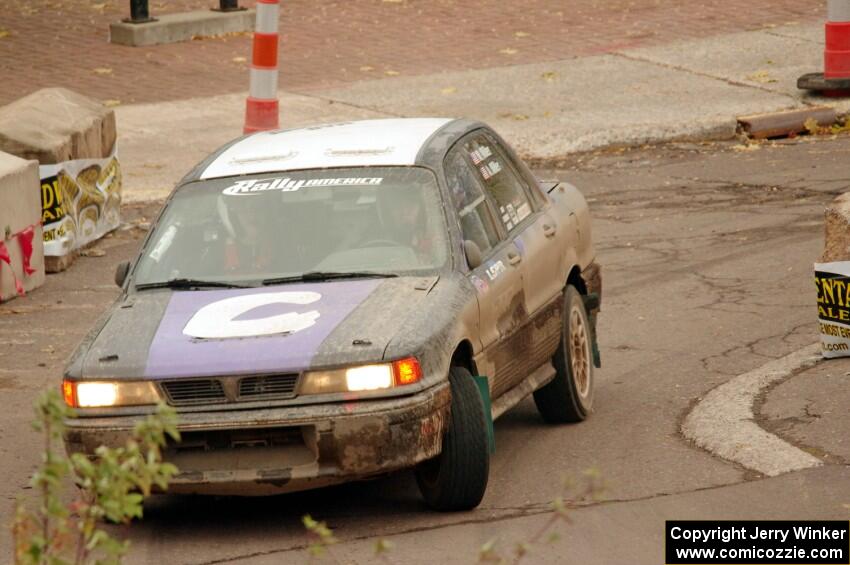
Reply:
x=350, y=144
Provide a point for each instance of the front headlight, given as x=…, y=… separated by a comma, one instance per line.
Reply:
x=96, y=394
x=364, y=378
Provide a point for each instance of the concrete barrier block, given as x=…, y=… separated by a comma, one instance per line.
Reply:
x=20, y=211
x=837, y=230
x=170, y=28
x=63, y=130
x=56, y=124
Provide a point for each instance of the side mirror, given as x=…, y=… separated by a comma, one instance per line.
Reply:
x=473, y=253
x=121, y=272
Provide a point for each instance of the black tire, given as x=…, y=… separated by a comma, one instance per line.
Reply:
x=569, y=396
x=457, y=478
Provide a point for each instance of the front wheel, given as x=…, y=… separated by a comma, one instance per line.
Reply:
x=457, y=478
x=569, y=396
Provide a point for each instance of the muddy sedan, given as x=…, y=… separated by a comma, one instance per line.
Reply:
x=315, y=303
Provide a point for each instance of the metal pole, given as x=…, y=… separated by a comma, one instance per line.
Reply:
x=228, y=6
x=139, y=12
x=261, y=110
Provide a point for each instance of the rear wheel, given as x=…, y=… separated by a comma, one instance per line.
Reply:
x=569, y=396
x=457, y=478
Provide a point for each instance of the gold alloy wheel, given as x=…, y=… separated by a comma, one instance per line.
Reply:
x=579, y=352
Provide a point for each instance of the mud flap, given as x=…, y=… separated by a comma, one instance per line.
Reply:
x=591, y=303
x=484, y=389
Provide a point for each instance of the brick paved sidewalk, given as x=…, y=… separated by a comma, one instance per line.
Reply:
x=330, y=43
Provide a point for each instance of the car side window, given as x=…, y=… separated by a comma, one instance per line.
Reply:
x=476, y=220
x=500, y=180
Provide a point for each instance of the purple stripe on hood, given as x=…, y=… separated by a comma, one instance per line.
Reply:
x=173, y=353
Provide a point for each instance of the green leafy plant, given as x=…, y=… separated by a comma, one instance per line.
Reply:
x=590, y=488
x=111, y=487
x=322, y=537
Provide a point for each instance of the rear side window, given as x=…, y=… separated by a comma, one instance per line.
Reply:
x=476, y=220
x=500, y=181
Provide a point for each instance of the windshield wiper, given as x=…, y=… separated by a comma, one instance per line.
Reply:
x=318, y=276
x=189, y=283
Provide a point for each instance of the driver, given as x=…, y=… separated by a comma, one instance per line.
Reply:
x=402, y=216
x=248, y=243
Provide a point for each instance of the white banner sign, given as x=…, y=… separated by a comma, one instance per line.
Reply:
x=833, y=284
x=80, y=201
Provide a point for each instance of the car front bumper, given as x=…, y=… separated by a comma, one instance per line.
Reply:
x=286, y=449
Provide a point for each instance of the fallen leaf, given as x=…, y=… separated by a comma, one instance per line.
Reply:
x=449, y=90
x=812, y=126
x=747, y=147
x=515, y=117
x=549, y=76
x=761, y=76
x=508, y=51
x=367, y=68
x=521, y=34
x=111, y=103
x=4, y=33
x=391, y=73
x=239, y=59
x=102, y=70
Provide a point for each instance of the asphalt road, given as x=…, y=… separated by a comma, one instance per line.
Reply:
x=707, y=255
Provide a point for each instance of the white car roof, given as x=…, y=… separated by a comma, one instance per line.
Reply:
x=389, y=142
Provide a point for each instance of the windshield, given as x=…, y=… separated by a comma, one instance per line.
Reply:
x=257, y=227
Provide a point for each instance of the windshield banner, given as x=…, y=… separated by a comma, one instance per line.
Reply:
x=80, y=202
x=833, y=284
x=286, y=184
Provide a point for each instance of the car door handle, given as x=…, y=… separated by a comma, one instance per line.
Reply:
x=548, y=230
x=514, y=258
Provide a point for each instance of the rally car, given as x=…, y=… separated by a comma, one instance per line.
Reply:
x=315, y=302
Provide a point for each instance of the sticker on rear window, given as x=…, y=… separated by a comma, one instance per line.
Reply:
x=523, y=211
x=286, y=184
x=480, y=155
x=490, y=170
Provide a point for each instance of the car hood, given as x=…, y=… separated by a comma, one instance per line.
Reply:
x=164, y=334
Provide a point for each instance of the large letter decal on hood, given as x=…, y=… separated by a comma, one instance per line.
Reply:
x=219, y=320
x=250, y=331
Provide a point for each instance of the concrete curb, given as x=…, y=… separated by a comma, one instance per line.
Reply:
x=723, y=422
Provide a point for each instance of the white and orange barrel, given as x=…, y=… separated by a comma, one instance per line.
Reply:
x=836, y=54
x=261, y=110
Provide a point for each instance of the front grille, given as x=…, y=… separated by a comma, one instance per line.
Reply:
x=225, y=390
x=193, y=392
x=268, y=386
